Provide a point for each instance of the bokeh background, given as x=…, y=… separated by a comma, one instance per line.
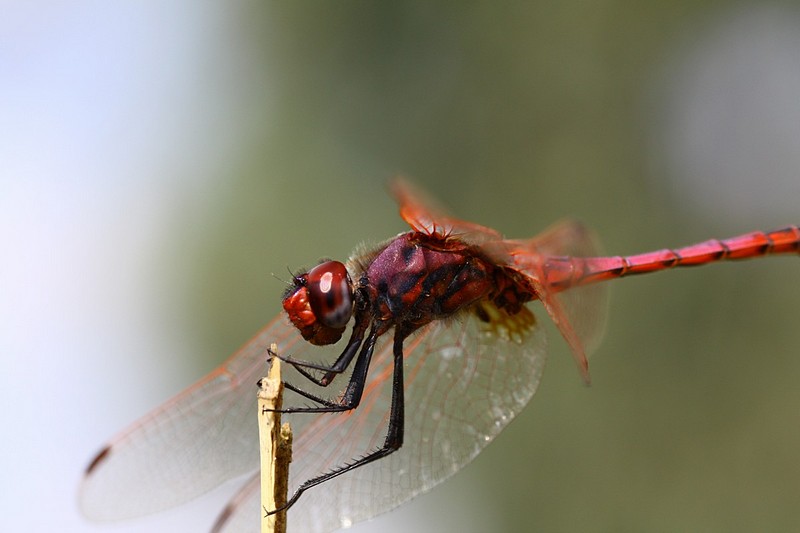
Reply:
x=159, y=161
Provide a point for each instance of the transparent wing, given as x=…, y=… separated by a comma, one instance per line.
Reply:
x=579, y=313
x=189, y=445
x=585, y=307
x=424, y=215
x=465, y=381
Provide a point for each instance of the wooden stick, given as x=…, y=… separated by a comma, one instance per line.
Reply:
x=276, y=449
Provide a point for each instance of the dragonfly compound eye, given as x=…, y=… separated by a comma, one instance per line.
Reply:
x=320, y=303
x=330, y=293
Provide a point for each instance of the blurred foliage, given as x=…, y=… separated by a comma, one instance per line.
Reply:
x=515, y=116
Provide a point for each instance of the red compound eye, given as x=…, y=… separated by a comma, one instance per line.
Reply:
x=330, y=294
x=320, y=303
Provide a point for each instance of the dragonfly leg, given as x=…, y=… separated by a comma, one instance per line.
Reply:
x=355, y=387
x=394, y=434
x=341, y=363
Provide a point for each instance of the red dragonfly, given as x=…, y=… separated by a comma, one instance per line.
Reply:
x=446, y=350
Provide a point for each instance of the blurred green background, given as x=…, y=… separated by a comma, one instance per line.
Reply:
x=657, y=123
x=515, y=116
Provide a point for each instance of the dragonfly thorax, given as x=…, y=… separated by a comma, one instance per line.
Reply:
x=416, y=279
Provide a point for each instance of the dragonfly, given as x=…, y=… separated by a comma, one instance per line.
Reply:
x=444, y=350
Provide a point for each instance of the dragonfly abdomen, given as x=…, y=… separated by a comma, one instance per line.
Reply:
x=565, y=272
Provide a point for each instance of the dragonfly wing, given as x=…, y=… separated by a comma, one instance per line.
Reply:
x=578, y=313
x=243, y=512
x=585, y=307
x=566, y=237
x=557, y=312
x=465, y=380
x=424, y=215
x=202, y=437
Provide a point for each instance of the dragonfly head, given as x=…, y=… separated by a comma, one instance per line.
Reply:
x=320, y=302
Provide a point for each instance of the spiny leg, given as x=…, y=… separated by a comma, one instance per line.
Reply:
x=341, y=363
x=355, y=387
x=394, y=434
